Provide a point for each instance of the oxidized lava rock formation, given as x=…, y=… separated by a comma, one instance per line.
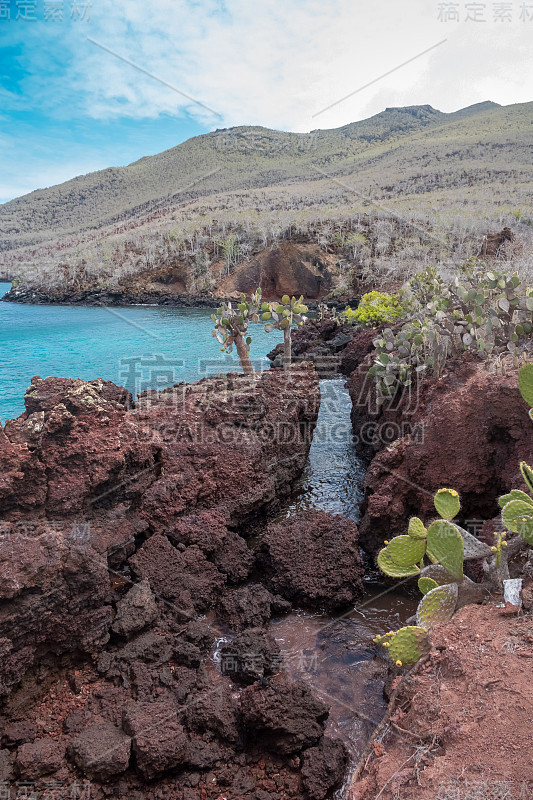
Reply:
x=120, y=527
x=324, y=342
x=468, y=430
x=312, y=559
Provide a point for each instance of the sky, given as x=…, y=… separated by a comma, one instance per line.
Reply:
x=87, y=84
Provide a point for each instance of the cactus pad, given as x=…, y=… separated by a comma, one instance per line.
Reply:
x=446, y=545
x=417, y=529
x=527, y=474
x=409, y=645
x=393, y=570
x=426, y=585
x=447, y=503
x=525, y=383
x=514, y=494
x=406, y=551
x=437, y=605
x=437, y=574
x=515, y=515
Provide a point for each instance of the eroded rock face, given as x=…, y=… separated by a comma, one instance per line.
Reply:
x=324, y=767
x=52, y=596
x=469, y=431
x=313, y=560
x=284, y=716
x=119, y=530
x=252, y=655
x=290, y=268
x=110, y=476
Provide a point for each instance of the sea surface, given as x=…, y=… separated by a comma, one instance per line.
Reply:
x=140, y=347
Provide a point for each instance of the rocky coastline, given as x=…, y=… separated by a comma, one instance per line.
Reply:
x=125, y=545
x=123, y=524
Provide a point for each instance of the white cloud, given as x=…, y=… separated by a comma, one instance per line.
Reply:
x=275, y=63
x=279, y=62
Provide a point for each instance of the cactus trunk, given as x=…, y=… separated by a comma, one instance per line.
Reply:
x=287, y=348
x=244, y=358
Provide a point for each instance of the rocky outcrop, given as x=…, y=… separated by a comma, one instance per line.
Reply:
x=288, y=268
x=121, y=526
x=312, y=559
x=285, y=716
x=469, y=431
x=53, y=596
x=324, y=342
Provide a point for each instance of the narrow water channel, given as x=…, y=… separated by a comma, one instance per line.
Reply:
x=336, y=655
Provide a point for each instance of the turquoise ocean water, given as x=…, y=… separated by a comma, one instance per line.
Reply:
x=138, y=347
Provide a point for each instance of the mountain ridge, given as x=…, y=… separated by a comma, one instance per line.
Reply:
x=98, y=198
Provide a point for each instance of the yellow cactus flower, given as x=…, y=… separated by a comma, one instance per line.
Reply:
x=399, y=663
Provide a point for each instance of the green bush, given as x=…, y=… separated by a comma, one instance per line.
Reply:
x=376, y=308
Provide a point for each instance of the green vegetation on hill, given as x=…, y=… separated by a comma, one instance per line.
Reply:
x=429, y=182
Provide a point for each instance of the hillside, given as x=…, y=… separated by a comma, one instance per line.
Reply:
x=415, y=166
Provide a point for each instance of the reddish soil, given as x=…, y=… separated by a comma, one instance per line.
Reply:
x=462, y=721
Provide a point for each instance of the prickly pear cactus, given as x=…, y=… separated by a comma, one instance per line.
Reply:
x=514, y=494
x=473, y=548
x=447, y=503
x=446, y=544
x=527, y=474
x=406, y=551
x=525, y=383
x=417, y=529
x=426, y=585
x=406, y=646
x=392, y=569
x=437, y=573
x=517, y=516
x=437, y=605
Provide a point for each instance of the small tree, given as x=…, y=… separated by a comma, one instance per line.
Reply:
x=231, y=326
x=282, y=316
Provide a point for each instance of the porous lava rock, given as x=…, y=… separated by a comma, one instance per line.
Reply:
x=283, y=715
x=250, y=606
x=250, y=656
x=313, y=560
x=324, y=767
x=102, y=751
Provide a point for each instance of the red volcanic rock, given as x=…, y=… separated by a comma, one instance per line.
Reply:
x=324, y=767
x=39, y=758
x=226, y=549
x=358, y=349
x=102, y=751
x=159, y=741
x=52, y=597
x=250, y=607
x=251, y=655
x=312, y=559
x=234, y=443
x=186, y=579
x=284, y=716
x=82, y=437
x=219, y=442
x=471, y=431
x=106, y=475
